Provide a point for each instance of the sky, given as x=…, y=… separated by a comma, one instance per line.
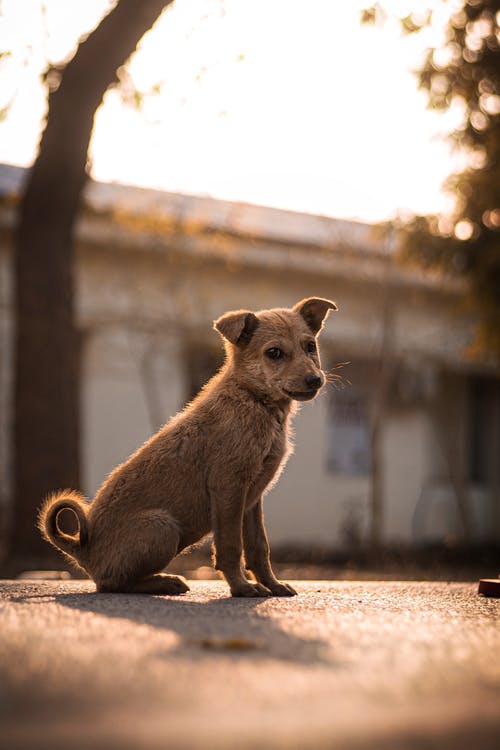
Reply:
x=285, y=103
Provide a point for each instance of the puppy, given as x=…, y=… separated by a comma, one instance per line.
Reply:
x=207, y=469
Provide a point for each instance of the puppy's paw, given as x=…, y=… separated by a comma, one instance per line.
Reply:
x=167, y=585
x=250, y=589
x=179, y=584
x=279, y=588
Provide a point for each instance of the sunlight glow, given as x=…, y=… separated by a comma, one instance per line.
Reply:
x=464, y=230
x=282, y=103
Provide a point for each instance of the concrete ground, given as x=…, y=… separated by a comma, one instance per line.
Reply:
x=343, y=665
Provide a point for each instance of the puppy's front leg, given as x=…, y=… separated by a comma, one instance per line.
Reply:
x=227, y=519
x=257, y=553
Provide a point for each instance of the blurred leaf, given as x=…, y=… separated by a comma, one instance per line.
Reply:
x=369, y=15
x=374, y=15
x=414, y=22
x=409, y=26
x=464, y=69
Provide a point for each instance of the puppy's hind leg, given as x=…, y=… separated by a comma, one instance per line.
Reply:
x=160, y=584
x=147, y=545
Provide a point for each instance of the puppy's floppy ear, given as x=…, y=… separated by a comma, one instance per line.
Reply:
x=237, y=327
x=314, y=311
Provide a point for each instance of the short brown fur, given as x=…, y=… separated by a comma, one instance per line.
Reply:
x=207, y=469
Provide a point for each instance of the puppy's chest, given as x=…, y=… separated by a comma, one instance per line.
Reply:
x=273, y=448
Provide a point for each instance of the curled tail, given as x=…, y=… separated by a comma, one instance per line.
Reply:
x=73, y=546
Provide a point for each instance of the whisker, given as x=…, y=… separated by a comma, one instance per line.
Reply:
x=339, y=384
x=336, y=379
x=339, y=366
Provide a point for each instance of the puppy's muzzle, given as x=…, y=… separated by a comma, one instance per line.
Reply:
x=312, y=384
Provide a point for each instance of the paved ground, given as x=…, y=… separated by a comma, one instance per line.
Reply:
x=344, y=665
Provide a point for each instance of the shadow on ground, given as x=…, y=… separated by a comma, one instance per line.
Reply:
x=237, y=627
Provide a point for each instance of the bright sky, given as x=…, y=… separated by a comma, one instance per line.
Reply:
x=281, y=102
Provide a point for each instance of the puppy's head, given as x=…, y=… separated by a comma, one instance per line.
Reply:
x=274, y=353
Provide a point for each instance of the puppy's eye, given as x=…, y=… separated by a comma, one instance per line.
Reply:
x=274, y=353
x=311, y=347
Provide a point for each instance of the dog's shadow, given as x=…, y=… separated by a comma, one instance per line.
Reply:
x=237, y=627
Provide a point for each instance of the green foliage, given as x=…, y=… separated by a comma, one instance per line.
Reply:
x=465, y=70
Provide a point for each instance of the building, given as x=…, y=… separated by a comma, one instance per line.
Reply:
x=410, y=414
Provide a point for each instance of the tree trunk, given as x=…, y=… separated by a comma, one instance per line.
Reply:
x=376, y=484
x=386, y=364
x=46, y=398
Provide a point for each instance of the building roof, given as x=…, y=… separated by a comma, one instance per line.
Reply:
x=245, y=236
x=237, y=218
x=151, y=220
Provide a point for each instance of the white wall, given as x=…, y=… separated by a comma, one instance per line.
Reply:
x=309, y=505
x=407, y=435
x=115, y=416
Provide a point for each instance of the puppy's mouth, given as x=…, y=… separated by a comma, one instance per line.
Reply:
x=302, y=395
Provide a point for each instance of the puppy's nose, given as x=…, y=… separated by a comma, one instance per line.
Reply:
x=313, y=381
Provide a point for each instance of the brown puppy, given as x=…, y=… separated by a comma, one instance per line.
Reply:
x=207, y=469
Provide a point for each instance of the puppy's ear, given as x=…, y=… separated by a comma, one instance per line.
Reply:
x=314, y=311
x=237, y=327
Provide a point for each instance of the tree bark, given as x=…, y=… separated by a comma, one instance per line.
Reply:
x=46, y=398
x=386, y=364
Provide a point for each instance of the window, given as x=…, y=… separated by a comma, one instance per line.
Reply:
x=478, y=419
x=483, y=429
x=349, y=432
x=202, y=361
